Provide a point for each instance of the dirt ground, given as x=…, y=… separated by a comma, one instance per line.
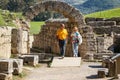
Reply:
x=87, y=71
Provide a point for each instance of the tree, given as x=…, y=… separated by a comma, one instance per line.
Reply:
x=28, y=3
x=15, y=5
x=3, y=4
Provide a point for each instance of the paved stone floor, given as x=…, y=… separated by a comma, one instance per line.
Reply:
x=87, y=71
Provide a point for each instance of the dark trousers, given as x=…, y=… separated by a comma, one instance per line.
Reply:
x=62, y=45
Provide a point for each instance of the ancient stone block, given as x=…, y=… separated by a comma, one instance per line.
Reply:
x=24, y=36
x=105, y=63
x=93, y=19
x=101, y=73
x=5, y=51
x=6, y=66
x=102, y=23
x=111, y=68
x=118, y=65
x=23, y=48
x=17, y=66
x=116, y=19
x=30, y=59
x=4, y=76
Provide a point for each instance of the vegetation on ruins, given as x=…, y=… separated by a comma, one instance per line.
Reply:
x=7, y=18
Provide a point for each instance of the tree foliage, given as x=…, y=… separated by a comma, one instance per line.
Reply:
x=3, y=4
x=15, y=5
x=21, y=5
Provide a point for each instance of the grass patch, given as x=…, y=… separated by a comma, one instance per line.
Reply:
x=21, y=75
x=2, y=22
x=106, y=14
x=35, y=27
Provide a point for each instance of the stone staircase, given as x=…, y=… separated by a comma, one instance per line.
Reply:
x=66, y=62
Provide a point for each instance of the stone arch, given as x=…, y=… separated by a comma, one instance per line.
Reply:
x=73, y=14
x=67, y=10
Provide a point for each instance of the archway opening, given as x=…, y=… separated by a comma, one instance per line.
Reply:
x=73, y=15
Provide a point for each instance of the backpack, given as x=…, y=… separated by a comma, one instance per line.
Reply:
x=79, y=38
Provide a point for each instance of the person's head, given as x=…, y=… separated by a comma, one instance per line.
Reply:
x=62, y=26
x=75, y=29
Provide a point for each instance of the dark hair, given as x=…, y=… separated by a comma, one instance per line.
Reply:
x=62, y=24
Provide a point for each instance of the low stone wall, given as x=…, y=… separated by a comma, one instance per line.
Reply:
x=116, y=19
x=101, y=25
x=5, y=42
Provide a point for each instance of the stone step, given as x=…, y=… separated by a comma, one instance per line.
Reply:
x=66, y=62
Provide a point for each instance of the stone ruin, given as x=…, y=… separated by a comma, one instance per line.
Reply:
x=13, y=41
x=98, y=33
x=100, y=36
x=20, y=38
x=46, y=39
x=108, y=28
x=68, y=11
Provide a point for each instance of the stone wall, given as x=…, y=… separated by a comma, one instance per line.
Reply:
x=5, y=42
x=104, y=43
x=105, y=27
x=117, y=43
x=101, y=25
x=91, y=41
x=20, y=39
x=68, y=11
x=46, y=39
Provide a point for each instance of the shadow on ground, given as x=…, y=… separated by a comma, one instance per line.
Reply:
x=92, y=77
x=95, y=66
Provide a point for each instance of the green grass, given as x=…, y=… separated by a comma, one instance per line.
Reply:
x=21, y=76
x=2, y=22
x=35, y=27
x=106, y=14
